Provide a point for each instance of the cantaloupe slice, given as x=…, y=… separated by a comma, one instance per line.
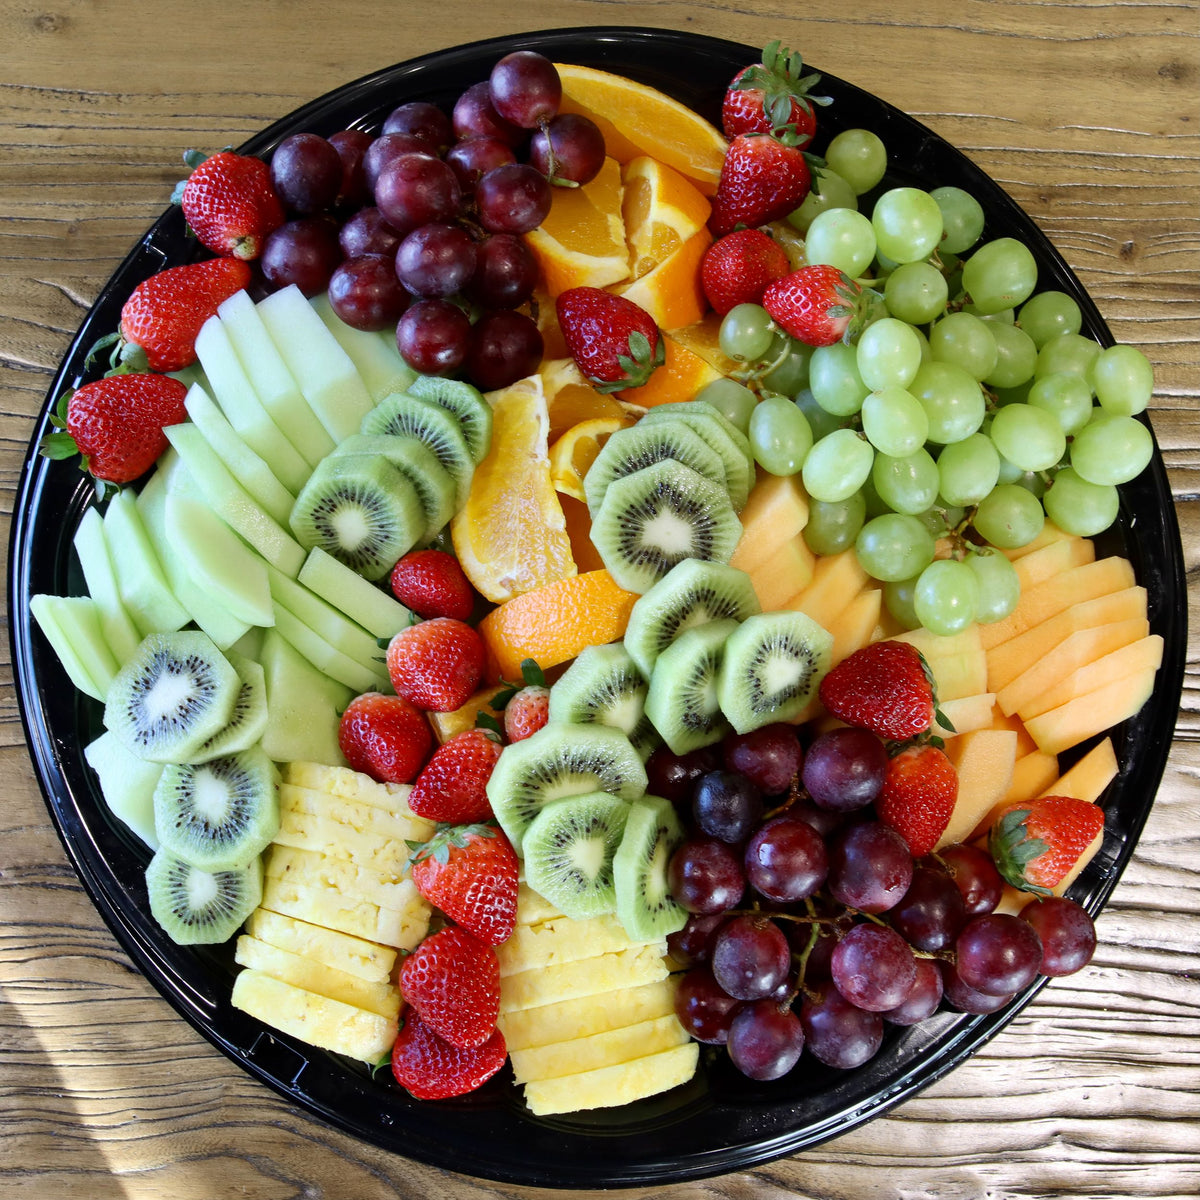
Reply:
x=1050, y=533
x=1090, y=713
x=984, y=759
x=958, y=662
x=1034, y=774
x=1089, y=777
x=967, y=714
x=855, y=627
x=775, y=512
x=836, y=579
x=1052, y=559
x=778, y=578
x=1025, y=744
x=1145, y=654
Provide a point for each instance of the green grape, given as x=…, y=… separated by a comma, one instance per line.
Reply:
x=942, y=517
x=1016, y=356
x=790, y=370
x=843, y=238
x=967, y=342
x=893, y=546
x=946, y=597
x=837, y=466
x=906, y=485
x=829, y=190
x=1033, y=482
x=952, y=399
x=898, y=600
x=746, y=333
x=876, y=505
x=1029, y=437
x=832, y=528
x=894, y=421
x=1123, y=380
x=859, y=157
x=1111, y=449
x=1006, y=316
x=1067, y=352
x=834, y=380
x=968, y=470
x=1009, y=472
x=1078, y=507
x=731, y=399
x=908, y=224
x=1009, y=516
x=1049, y=314
x=962, y=219
x=999, y=584
x=780, y=437
x=1012, y=395
x=1000, y=274
x=888, y=355
x=1066, y=396
x=916, y=292
x=820, y=420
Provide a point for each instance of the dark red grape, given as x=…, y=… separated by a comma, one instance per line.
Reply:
x=525, y=88
x=1067, y=934
x=873, y=967
x=786, y=859
x=998, y=954
x=975, y=875
x=306, y=173
x=964, y=997
x=415, y=189
x=351, y=145
x=769, y=756
x=304, y=252
x=844, y=769
x=726, y=805
x=506, y=274
x=436, y=259
x=750, y=957
x=822, y=820
x=816, y=965
x=673, y=776
x=433, y=337
x=366, y=294
x=765, y=1040
x=569, y=147
x=704, y=1009
x=923, y=997
x=470, y=160
x=383, y=150
x=836, y=1032
x=870, y=867
x=692, y=944
x=512, y=199
x=475, y=117
x=505, y=346
x=705, y=876
x=931, y=912
x=367, y=232
x=421, y=120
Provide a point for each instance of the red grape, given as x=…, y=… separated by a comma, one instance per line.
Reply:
x=765, y=1040
x=415, y=189
x=873, y=967
x=705, y=876
x=506, y=274
x=769, y=756
x=351, y=145
x=385, y=148
x=870, y=867
x=750, y=957
x=836, y=1032
x=1067, y=934
x=469, y=160
x=306, y=173
x=673, y=776
x=786, y=859
x=436, y=259
x=304, y=252
x=844, y=769
x=366, y=294
x=433, y=337
x=998, y=954
x=923, y=997
x=569, y=147
x=475, y=117
x=525, y=88
x=693, y=943
x=975, y=875
x=367, y=232
x=966, y=998
x=704, y=1009
x=421, y=120
x=931, y=912
x=726, y=805
x=514, y=198
x=505, y=346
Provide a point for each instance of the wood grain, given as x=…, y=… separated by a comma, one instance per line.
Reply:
x=1087, y=114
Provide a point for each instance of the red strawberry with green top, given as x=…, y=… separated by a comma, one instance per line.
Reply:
x=613, y=341
x=1035, y=843
x=470, y=873
x=452, y=786
x=737, y=268
x=526, y=709
x=453, y=981
x=229, y=203
x=817, y=305
x=917, y=800
x=884, y=687
x=763, y=178
x=431, y=1068
x=385, y=737
x=772, y=94
x=116, y=423
x=436, y=664
x=432, y=584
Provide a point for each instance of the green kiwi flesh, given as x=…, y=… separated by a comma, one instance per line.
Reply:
x=645, y=906
x=604, y=686
x=719, y=432
x=249, y=718
x=463, y=402
x=198, y=907
x=403, y=415
x=682, y=700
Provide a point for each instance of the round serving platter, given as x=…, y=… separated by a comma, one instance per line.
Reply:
x=720, y=1121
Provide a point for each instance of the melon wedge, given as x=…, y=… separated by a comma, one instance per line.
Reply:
x=967, y=714
x=788, y=571
x=775, y=512
x=958, y=662
x=1034, y=774
x=1088, y=778
x=1050, y=533
x=1052, y=559
x=856, y=625
x=1025, y=744
x=836, y=579
x=1134, y=658
x=1090, y=713
x=984, y=759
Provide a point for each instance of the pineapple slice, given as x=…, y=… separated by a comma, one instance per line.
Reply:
x=357, y=814
x=348, y=784
x=622, y=1083
x=532, y=907
x=561, y=940
x=594, y=1051
x=390, y=889
x=354, y=956
x=348, y=914
x=584, y=977
x=586, y=1015
x=377, y=851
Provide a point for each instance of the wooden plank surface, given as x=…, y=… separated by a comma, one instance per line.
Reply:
x=1086, y=112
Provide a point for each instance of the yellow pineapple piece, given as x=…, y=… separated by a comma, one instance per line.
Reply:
x=584, y=977
x=584, y=1015
x=320, y=906
x=855, y=626
x=532, y=907
x=593, y=1051
x=365, y=960
x=321, y=834
x=387, y=889
x=561, y=940
x=357, y=814
x=609, y=1086
x=348, y=784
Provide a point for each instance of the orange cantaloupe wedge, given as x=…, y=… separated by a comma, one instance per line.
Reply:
x=788, y=570
x=1060, y=728
x=774, y=513
x=836, y=580
x=958, y=661
x=855, y=626
x=984, y=760
x=967, y=714
x=1052, y=559
x=1031, y=774
x=1089, y=777
x=1050, y=533
x=1000, y=720
x=1145, y=654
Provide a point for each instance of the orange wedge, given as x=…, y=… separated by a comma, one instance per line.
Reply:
x=554, y=623
x=682, y=374
x=576, y=450
x=570, y=399
x=662, y=210
x=636, y=119
x=581, y=243
x=510, y=536
x=671, y=292
x=703, y=338
x=579, y=530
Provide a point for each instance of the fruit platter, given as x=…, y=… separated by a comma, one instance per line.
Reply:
x=635, y=622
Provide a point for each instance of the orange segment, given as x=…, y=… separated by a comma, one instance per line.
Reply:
x=636, y=119
x=680, y=377
x=703, y=338
x=571, y=399
x=579, y=530
x=576, y=450
x=581, y=243
x=554, y=623
x=662, y=210
x=510, y=536
x=671, y=292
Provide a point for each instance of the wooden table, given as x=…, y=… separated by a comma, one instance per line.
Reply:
x=1086, y=114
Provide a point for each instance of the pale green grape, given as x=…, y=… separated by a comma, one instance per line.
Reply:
x=1009, y=516
x=941, y=518
x=962, y=219
x=746, y=333
x=1066, y=396
x=1000, y=274
x=1049, y=314
x=837, y=465
x=946, y=597
x=829, y=190
x=834, y=380
x=1123, y=380
x=842, y=238
x=1016, y=356
x=999, y=584
x=1009, y=472
x=966, y=341
x=894, y=421
x=894, y=546
x=908, y=224
x=1029, y=437
x=888, y=354
x=906, y=485
x=1067, y=352
x=790, y=370
x=1111, y=449
x=820, y=420
x=731, y=399
x=1006, y=316
x=832, y=528
x=898, y=600
x=916, y=292
x=1079, y=507
x=952, y=399
x=780, y=437
x=968, y=470
x=859, y=157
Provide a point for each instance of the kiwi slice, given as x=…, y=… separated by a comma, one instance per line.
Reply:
x=773, y=666
x=642, y=445
x=403, y=415
x=692, y=593
x=722, y=435
x=645, y=906
x=249, y=718
x=198, y=907
x=463, y=402
x=682, y=700
x=558, y=761
x=604, y=686
x=435, y=488
x=569, y=848
x=655, y=518
x=220, y=814
x=361, y=510
x=176, y=692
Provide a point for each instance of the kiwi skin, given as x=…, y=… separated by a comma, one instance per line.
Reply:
x=173, y=884
x=604, y=686
x=645, y=906
x=682, y=697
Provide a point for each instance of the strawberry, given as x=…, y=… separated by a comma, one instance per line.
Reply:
x=919, y=791
x=526, y=712
x=432, y=584
x=385, y=737
x=470, y=873
x=772, y=94
x=762, y=179
x=452, y=786
x=160, y=320
x=453, y=981
x=884, y=687
x=431, y=1068
x=736, y=269
x=229, y=202
x=1036, y=842
x=817, y=305
x=116, y=423
x=613, y=341
x=436, y=664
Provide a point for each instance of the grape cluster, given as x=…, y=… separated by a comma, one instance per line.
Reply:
x=420, y=227
x=963, y=410
x=811, y=926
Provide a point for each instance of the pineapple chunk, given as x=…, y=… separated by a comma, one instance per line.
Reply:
x=605, y=1087
x=360, y=918
x=587, y=1015
x=387, y=889
x=348, y=784
x=561, y=940
x=584, y=977
x=355, y=813
x=594, y=1051
x=532, y=907
x=355, y=956
x=377, y=851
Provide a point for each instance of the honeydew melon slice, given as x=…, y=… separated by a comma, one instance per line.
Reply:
x=361, y=676
x=374, y=355
x=127, y=784
x=72, y=627
x=101, y=579
x=324, y=619
x=303, y=706
x=232, y=390
x=354, y=596
x=142, y=582
x=326, y=374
